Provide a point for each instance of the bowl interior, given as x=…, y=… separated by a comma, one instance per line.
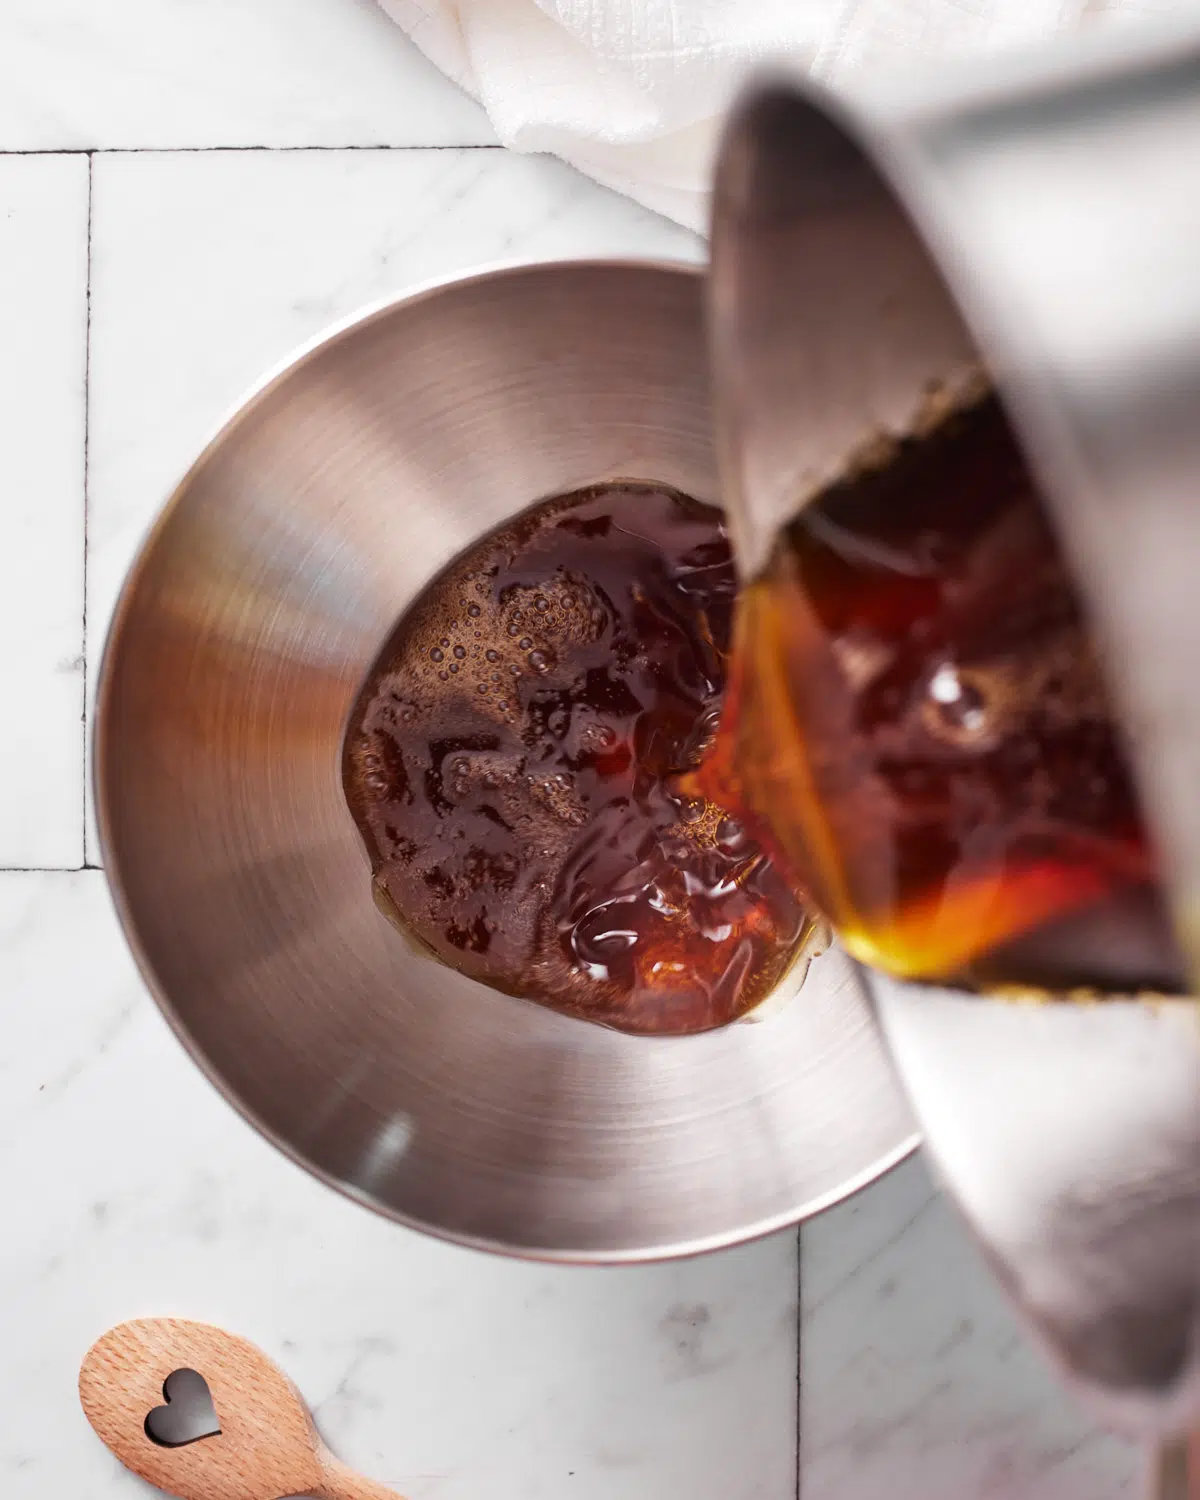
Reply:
x=256, y=606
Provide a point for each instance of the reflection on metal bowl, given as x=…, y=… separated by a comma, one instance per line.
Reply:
x=260, y=599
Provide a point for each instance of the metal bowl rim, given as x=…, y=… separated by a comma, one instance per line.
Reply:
x=234, y=415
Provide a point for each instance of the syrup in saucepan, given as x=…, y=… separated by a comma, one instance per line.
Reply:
x=918, y=722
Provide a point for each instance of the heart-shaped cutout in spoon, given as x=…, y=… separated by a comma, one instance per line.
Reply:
x=188, y=1414
x=234, y=1427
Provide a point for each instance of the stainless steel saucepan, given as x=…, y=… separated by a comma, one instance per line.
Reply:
x=1043, y=214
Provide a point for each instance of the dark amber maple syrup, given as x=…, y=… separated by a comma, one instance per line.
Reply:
x=919, y=727
x=513, y=763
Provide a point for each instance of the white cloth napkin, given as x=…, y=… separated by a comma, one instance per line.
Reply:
x=632, y=91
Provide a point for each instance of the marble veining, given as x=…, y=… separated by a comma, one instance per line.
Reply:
x=146, y=279
x=918, y=1383
x=154, y=74
x=43, y=322
x=209, y=268
x=446, y=1372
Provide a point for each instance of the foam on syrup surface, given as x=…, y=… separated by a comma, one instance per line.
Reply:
x=513, y=760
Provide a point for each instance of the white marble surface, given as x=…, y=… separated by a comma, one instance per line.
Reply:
x=133, y=1190
x=917, y=1383
x=43, y=343
x=76, y=75
x=145, y=279
x=209, y=267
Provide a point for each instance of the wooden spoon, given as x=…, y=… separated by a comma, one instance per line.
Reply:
x=253, y=1440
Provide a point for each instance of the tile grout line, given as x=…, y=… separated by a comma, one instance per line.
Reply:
x=47, y=869
x=87, y=402
x=799, y=1353
x=91, y=151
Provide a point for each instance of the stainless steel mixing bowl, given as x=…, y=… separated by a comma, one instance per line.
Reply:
x=258, y=602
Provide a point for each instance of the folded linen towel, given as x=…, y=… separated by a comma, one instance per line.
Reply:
x=632, y=91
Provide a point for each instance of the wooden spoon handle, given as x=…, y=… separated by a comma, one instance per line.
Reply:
x=1175, y=1470
x=340, y=1482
